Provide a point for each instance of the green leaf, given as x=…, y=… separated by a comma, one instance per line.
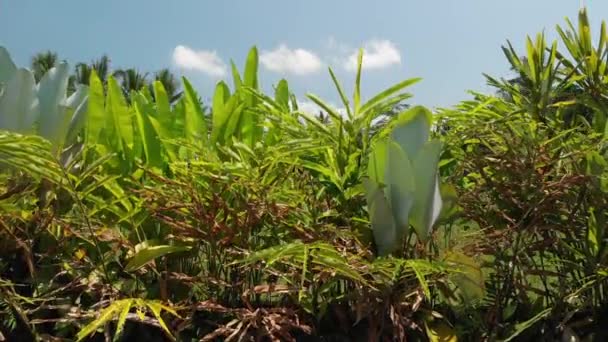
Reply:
x=18, y=108
x=223, y=104
x=149, y=135
x=156, y=308
x=118, y=113
x=357, y=92
x=78, y=102
x=381, y=217
x=386, y=94
x=427, y=203
x=251, y=69
x=106, y=316
x=334, y=114
x=411, y=130
x=196, y=127
x=7, y=67
x=401, y=187
x=122, y=318
x=52, y=91
x=281, y=95
x=148, y=254
x=96, y=115
x=341, y=92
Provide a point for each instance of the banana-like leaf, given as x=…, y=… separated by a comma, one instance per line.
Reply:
x=401, y=187
x=223, y=104
x=79, y=103
x=281, y=95
x=120, y=114
x=427, y=203
x=383, y=225
x=7, y=67
x=148, y=135
x=96, y=114
x=18, y=103
x=248, y=127
x=411, y=131
x=376, y=166
x=196, y=128
x=52, y=91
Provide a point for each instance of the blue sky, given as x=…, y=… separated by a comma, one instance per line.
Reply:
x=448, y=43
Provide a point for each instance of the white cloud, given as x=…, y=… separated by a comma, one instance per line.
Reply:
x=205, y=61
x=377, y=54
x=293, y=61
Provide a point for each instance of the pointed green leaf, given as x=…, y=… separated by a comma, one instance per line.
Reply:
x=96, y=115
x=148, y=135
x=357, y=92
x=148, y=254
x=196, y=127
x=386, y=94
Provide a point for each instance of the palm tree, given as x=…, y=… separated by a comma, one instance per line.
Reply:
x=42, y=62
x=101, y=66
x=170, y=83
x=82, y=72
x=131, y=80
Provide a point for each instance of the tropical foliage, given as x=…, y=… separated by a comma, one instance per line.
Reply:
x=129, y=210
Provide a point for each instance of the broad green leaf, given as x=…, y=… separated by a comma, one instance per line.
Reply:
x=120, y=113
x=248, y=123
x=96, y=115
x=196, y=127
x=236, y=76
x=281, y=95
x=7, y=67
x=401, y=186
x=381, y=217
x=163, y=107
x=411, y=130
x=223, y=104
x=251, y=69
x=148, y=254
x=18, y=103
x=427, y=203
x=52, y=91
x=78, y=101
x=149, y=137
x=376, y=166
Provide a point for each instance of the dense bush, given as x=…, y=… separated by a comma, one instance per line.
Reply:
x=141, y=214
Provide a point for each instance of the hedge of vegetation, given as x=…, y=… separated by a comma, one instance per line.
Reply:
x=132, y=212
